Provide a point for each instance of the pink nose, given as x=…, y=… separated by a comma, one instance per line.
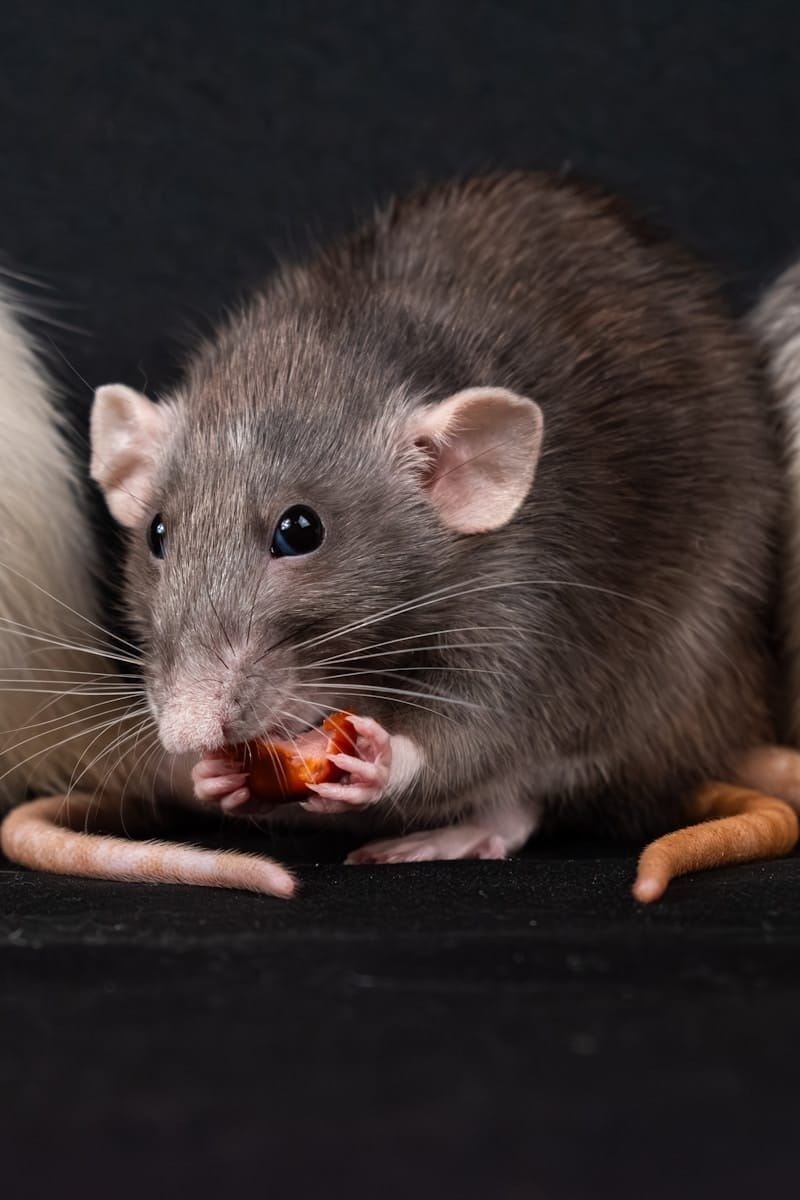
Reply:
x=186, y=727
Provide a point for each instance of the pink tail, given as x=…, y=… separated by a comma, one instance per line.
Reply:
x=50, y=835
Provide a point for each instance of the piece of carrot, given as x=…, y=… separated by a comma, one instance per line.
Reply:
x=281, y=771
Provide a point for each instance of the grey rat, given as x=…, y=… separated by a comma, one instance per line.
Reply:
x=496, y=473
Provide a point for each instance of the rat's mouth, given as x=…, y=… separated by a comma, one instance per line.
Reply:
x=309, y=741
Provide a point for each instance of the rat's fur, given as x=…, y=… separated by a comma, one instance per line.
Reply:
x=591, y=662
x=776, y=321
x=627, y=599
x=46, y=584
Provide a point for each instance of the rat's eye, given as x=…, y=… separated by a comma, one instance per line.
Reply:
x=156, y=535
x=299, y=531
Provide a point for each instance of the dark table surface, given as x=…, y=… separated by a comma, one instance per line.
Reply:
x=497, y=1029
x=507, y=1030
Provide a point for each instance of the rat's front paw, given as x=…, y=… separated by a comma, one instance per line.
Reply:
x=217, y=779
x=366, y=771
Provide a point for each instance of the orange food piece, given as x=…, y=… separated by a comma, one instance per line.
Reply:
x=282, y=771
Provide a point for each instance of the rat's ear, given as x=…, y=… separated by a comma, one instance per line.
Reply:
x=481, y=448
x=125, y=428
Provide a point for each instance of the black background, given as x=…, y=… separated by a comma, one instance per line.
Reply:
x=469, y=1030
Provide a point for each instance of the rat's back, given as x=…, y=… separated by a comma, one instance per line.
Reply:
x=657, y=497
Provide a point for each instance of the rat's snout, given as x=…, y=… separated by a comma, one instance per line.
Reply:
x=200, y=707
x=190, y=722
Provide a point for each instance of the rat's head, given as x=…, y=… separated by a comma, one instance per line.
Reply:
x=277, y=517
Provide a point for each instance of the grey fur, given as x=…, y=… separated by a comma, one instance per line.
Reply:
x=629, y=597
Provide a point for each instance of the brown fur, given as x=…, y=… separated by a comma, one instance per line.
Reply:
x=629, y=595
x=637, y=665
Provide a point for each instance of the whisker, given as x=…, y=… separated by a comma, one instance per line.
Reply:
x=219, y=618
x=215, y=652
x=274, y=757
x=68, y=629
x=6, y=750
x=282, y=641
x=45, y=691
x=375, y=646
x=57, y=746
x=60, y=644
x=56, y=720
x=147, y=769
x=453, y=592
x=114, y=747
x=69, y=671
x=69, y=693
x=370, y=695
x=375, y=688
x=140, y=764
x=357, y=674
x=118, y=721
x=52, y=687
x=293, y=740
x=406, y=605
x=330, y=708
x=80, y=616
x=252, y=612
x=354, y=656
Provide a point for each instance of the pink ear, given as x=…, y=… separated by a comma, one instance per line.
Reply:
x=482, y=448
x=126, y=429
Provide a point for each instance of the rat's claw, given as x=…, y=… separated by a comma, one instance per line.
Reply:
x=220, y=780
x=373, y=742
x=210, y=766
x=372, y=774
x=366, y=773
x=217, y=786
x=340, y=797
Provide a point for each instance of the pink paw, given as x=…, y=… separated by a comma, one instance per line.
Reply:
x=431, y=845
x=366, y=772
x=219, y=780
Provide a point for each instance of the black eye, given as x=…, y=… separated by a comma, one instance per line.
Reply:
x=299, y=531
x=156, y=536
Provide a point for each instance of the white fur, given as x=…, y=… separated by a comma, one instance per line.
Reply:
x=45, y=547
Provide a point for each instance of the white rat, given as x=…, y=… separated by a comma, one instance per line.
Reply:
x=56, y=685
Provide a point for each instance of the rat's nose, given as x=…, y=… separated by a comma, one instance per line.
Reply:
x=192, y=725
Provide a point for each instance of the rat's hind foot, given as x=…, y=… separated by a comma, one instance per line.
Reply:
x=456, y=841
x=496, y=836
x=366, y=771
x=736, y=825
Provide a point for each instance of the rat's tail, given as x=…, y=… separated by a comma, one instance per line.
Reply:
x=737, y=824
x=54, y=835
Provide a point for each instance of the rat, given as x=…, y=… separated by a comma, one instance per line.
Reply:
x=495, y=475
x=53, y=652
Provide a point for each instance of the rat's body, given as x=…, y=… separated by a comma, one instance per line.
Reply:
x=53, y=671
x=625, y=601
x=550, y=497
